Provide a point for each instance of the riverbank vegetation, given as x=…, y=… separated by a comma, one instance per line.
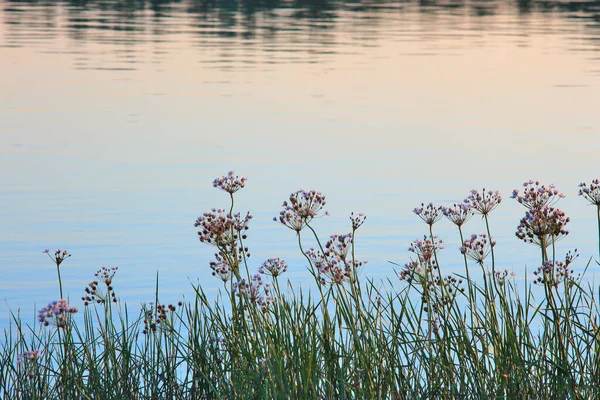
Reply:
x=423, y=334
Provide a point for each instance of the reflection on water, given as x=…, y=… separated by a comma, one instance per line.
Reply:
x=115, y=117
x=290, y=31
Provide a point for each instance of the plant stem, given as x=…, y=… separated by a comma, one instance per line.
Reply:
x=487, y=226
x=59, y=279
x=598, y=206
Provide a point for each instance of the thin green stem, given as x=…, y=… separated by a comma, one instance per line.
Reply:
x=316, y=238
x=598, y=206
x=487, y=226
x=59, y=280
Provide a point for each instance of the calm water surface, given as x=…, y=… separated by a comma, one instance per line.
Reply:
x=115, y=117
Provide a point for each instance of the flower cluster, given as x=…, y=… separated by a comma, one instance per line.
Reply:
x=333, y=264
x=301, y=207
x=30, y=355
x=553, y=273
x=158, y=317
x=591, y=192
x=477, y=247
x=542, y=226
x=57, y=312
x=331, y=269
x=458, y=213
x=426, y=249
x=256, y=291
x=221, y=229
x=273, y=267
x=502, y=276
x=411, y=270
x=357, y=220
x=230, y=183
x=95, y=294
x=484, y=202
x=536, y=196
x=29, y=361
x=429, y=213
x=437, y=291
x=59, y=255
x=221, y=267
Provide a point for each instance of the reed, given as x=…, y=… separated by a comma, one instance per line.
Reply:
x=426, y=335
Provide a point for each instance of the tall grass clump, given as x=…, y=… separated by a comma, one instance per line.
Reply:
x=473, y=334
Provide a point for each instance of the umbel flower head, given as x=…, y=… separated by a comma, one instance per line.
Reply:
x=554, y=273
x=29, y=362
x=93, y=294
x=222, y=267
x=484, y=202
x=543, y=227
x=230, y=183
x=159, y=317
x=591, y=192
x=273, y=267
x=412, y=269
x=357, y=220
x=535, y=195
x=256, y=291
x=221, y=229
x=59, y=256
x=477, y=247
x=429, y=213
x=57, y=313
x=334, y=265
x=458, y=213
x=30, y=355
x=301, y=207
x=425, y=249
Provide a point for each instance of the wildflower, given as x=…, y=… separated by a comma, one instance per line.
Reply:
x=29, y=361
x=338, y=245
x=425, y=249
x=554, y=273
x=230, y=183
x=30, y=355
x=291, y=220
x=333, y=264
x=412, y=269
x=458, y=213
x=332, y=269
x=57, y=312
x=477, y=247
x=221, y=229
x=357, y=220
x=95, y=294
x=301, y=208
x=484, y=202
x=536, y=196
x=502, y=276
x=273, y=267
x=591, y=192
x=438, y=291
x=256, y=291
x=157, y=318
x=221, y=267
x=543, y=226
x=59, y=256
x=429, y=213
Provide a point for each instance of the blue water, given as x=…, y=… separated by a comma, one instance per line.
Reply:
x=116, y=117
